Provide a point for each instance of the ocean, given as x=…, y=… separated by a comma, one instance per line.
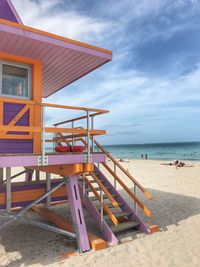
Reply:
x=166, y=151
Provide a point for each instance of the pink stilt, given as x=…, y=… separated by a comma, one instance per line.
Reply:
x=77, y=213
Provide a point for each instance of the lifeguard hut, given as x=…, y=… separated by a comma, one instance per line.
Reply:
x=33, y=65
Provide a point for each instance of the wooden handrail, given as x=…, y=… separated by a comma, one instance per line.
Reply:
x=104, y=189
x=7, y=128
x=30, y=102
x=146, y=193
x=105, y=207
x=80, y=118
x=145, y=209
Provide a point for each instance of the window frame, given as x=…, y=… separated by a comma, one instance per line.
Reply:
x=19, y=65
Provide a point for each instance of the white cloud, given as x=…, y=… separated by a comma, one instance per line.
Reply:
x=50, y=16
x=148, y=107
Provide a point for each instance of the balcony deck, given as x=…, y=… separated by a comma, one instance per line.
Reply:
x=18, y=160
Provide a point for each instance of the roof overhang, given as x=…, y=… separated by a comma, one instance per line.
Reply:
x=64, y=60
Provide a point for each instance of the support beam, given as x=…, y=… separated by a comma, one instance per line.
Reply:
x=96, y=242
x=1, y=175
x=48, y=187
x=29, y=175
x=77, y=213
x=37, y=176
x=8, y=189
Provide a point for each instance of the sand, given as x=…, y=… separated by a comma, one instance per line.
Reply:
x=176, y=209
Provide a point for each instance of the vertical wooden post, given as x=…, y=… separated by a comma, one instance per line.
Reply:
x=37, y=176
x=48, y=187
x=1, y=175
x=29, y=175
x=8, y=189
x=77, y=214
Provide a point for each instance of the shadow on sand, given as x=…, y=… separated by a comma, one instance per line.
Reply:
x=168, y=209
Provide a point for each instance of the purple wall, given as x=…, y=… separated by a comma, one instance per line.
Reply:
x=15, y=146
x=6, y=12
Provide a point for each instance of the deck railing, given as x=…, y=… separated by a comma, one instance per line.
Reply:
x=88, y=132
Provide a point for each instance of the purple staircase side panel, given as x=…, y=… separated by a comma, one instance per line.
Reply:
x=106, y=231
x=142, y=226
x=77, y=213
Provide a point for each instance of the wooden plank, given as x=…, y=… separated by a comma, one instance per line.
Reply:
x=65, y=169
x=30, y=195
x=75, y=108
x=47, y=130
x=15, y=136
x=95, y=242
x=37, y=97
x=19, y=129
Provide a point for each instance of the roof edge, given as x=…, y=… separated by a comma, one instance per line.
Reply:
x=54, y=36
x=14, y=12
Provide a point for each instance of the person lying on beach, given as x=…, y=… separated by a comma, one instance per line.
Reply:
x=122, y=160
x=177, y=163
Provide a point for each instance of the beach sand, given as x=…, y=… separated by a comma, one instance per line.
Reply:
x=176, y=209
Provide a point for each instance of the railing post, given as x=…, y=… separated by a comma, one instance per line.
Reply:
x=88, y=136
x=92, y=122
x=55, y=135
x=135, y=193
x=43, y=135
x=72, y=135
x=115, y=171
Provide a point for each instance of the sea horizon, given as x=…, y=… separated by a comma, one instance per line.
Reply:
x=157, y=151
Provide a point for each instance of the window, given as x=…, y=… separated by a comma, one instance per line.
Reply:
x=15, y=80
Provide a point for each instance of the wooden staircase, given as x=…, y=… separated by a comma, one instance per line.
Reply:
x=110, y=211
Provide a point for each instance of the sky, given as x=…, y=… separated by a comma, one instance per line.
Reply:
x=152, y=86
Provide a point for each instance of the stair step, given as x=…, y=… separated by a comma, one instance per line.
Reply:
x=109, y=205
x=91, y=181
x=123, y=226
x=95, y=199
x=96, y=188
x=104, y=197
x=119, y=215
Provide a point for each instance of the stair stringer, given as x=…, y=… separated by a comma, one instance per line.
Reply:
x=134, y=217
x=106, y=231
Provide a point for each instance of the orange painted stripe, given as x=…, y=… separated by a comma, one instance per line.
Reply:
x=95, y=242
x=16, y=136
x=54, y=36
x=30, y=195
x=18, y=59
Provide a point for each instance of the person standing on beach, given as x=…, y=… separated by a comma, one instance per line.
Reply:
x=142, y=156
x=146, y=156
